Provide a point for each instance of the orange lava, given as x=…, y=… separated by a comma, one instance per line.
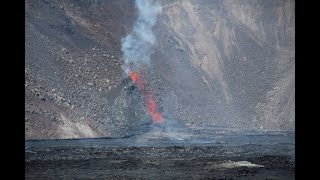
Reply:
x=150, y=103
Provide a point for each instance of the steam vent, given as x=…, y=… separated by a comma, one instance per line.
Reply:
x=159, y=89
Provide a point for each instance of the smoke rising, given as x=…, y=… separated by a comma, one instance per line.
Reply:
x=137, y=46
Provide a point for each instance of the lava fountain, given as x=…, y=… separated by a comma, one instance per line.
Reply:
x=137, y=48
x=152, y=109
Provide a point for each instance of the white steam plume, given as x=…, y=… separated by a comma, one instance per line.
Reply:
x=137, y=46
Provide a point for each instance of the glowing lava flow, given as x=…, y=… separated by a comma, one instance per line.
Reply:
x=150, y=103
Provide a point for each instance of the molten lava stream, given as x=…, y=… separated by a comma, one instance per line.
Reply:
x=150, y=103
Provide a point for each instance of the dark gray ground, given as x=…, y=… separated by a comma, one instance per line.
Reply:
x=167, y=154
x=228, y=63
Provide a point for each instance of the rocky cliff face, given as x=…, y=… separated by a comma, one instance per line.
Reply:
x=228, y=63
x=235, y=60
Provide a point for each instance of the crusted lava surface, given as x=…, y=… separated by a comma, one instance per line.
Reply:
x=166, y=154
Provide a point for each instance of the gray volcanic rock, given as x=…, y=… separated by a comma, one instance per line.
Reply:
x=229, y=63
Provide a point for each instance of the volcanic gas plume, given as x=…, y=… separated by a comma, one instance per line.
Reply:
x=137, y=48
x=147, y=96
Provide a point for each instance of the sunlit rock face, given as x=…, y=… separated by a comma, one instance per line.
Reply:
x=232, y=62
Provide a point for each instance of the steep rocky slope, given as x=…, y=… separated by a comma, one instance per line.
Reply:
x=229, y=63
x=235, y=60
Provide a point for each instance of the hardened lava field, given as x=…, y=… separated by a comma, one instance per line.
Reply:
x=230, y=154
